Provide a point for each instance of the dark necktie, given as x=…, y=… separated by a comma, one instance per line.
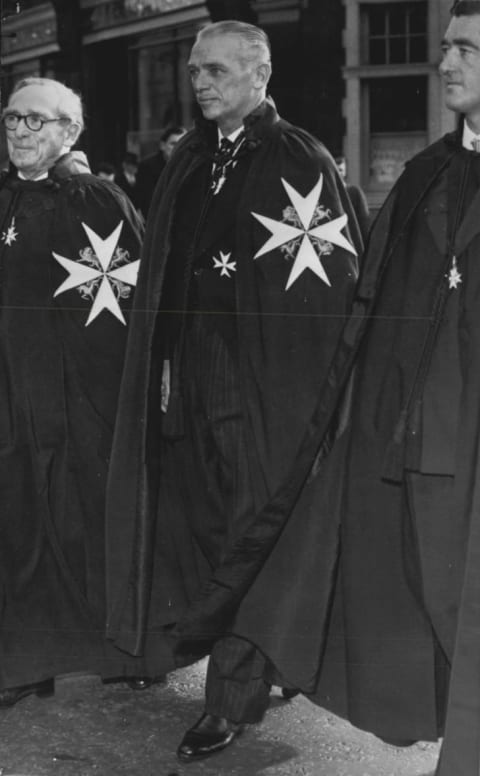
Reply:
x=226, y=146
x=223, y=160
x=476, y=145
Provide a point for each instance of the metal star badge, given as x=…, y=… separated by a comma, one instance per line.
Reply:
x=104, y=273
x=10, y=235
x=306, y=233
x=454, y=276
x=224, y=265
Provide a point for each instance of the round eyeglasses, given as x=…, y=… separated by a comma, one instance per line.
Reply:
x=33, y=121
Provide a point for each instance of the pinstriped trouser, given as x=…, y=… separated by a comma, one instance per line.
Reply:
x=235, y=686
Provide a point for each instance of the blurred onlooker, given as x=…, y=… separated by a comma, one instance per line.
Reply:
x=127, y=177
x=150, y=168
x=106, y=170
x=357, y=197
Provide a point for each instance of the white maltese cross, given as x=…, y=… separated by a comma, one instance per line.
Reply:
x=224, y=264
x=11, y=234
x=306, y=233
x=104, y=274
x=454, y=276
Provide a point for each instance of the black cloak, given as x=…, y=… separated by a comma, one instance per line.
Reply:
x=280, y=570
x=381, y=668
x=69, y=254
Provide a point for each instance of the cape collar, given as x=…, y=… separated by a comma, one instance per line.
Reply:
x=470, y=226
x=454, y=140
x=72, y=163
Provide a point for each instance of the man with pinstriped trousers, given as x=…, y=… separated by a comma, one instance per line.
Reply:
x=250, y=260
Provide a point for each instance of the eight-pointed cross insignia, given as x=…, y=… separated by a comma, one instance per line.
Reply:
x=104, y=268
x=454, y=276
x=306, y=233
x=10, y=235
x=224, y=264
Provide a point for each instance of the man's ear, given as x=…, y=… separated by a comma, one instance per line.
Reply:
x=263, y=73
x=72, y=133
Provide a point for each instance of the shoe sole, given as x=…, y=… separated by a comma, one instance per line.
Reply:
x=187, y=758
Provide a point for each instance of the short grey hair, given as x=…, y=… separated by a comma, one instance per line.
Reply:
x=69, y=102
x=254, y=38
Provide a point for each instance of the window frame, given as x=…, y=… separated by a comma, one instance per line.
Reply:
x=407, y=35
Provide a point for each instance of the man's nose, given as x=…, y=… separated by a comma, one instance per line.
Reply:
x=21, y=129
x=201, y=82
x=449, y=62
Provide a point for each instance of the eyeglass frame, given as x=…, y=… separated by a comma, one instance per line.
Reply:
x=26, y=117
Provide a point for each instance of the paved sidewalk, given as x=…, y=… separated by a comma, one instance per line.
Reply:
x=91, y=729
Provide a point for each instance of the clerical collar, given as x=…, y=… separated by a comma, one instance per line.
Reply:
x=39, y=177
x=232, y=137
x=468, y=136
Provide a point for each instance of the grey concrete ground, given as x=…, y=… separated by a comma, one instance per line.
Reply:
x=91, y=729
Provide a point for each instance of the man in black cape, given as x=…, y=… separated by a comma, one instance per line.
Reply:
x=249, y=265
x=403, y=657
x=69, y=250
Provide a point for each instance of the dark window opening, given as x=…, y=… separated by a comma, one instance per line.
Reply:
x=398, y=104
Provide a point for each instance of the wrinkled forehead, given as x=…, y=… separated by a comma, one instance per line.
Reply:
x=211, y=49
x=35, y=99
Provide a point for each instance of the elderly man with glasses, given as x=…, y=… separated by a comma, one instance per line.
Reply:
x=69, y=256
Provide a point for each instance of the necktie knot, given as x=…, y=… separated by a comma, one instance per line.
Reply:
x=224, y=158
x=476, y=145
x=225, y=144
x=224, y=151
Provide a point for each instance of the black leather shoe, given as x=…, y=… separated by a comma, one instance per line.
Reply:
x=398, y=742
x=144, y=682
x=209, y=735
x=12, y=695
x=288, y=693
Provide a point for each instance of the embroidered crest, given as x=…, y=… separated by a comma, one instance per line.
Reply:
x=306, y=232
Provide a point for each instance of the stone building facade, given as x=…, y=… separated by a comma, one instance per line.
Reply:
x=359, y=74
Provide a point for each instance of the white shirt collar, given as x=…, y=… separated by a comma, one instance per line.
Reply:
x=39, y=177
x=232, y=137
x=468, y=136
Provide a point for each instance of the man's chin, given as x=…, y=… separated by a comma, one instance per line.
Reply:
x=209, y=109
x=454, y=100
x=26, y=170
x=20, y=160
x=209, y=114
x=454, y=103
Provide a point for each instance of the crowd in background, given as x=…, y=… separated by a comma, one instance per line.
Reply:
x=138, y=177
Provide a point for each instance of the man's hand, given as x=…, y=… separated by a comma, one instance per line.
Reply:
x=165, y=389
